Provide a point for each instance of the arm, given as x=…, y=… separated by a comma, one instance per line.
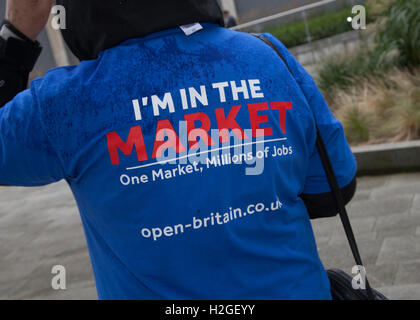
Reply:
x=317, y=194
x=322, y=205
x=27, y=157
x=19, y=49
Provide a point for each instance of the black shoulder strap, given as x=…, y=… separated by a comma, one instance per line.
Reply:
x=332, y=181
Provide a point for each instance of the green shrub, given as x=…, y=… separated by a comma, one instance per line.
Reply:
x=323, y=26
x=344, y=71
x=401, y=32
x=356, y=124
x=291, y=35
x=407, y=115
x=381, y=109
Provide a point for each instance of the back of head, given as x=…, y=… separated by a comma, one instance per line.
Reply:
x=96, y=25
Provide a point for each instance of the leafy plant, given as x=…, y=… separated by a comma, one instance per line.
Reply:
x=408, y=116
x=323, y=26
x=346, y=70
x=357, y=123
x=401, y=32
x=380, y=109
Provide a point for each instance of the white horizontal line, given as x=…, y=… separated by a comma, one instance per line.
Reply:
x=282, y=14
x=203, y=152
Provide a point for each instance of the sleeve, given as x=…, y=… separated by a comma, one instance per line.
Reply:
x=12, y=81
x=18, y=55
x=332, y=132
x=27, y=157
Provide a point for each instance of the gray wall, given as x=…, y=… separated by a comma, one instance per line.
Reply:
x=249, y=10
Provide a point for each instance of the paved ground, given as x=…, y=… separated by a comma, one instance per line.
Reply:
x=40, y=228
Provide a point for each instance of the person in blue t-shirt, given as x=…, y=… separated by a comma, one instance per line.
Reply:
x=189, y=148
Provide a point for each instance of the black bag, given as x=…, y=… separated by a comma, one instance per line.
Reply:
x=341, y=282
x=342, y=289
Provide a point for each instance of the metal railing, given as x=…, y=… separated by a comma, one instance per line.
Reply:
x=302, y=13
x=273, y=17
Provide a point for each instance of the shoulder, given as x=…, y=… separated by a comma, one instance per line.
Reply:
x=61, y=92
x=64, y=80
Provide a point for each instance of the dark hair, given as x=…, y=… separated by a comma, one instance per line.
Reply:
x=95, y=25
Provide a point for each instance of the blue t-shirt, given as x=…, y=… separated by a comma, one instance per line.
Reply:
x=186, y=156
